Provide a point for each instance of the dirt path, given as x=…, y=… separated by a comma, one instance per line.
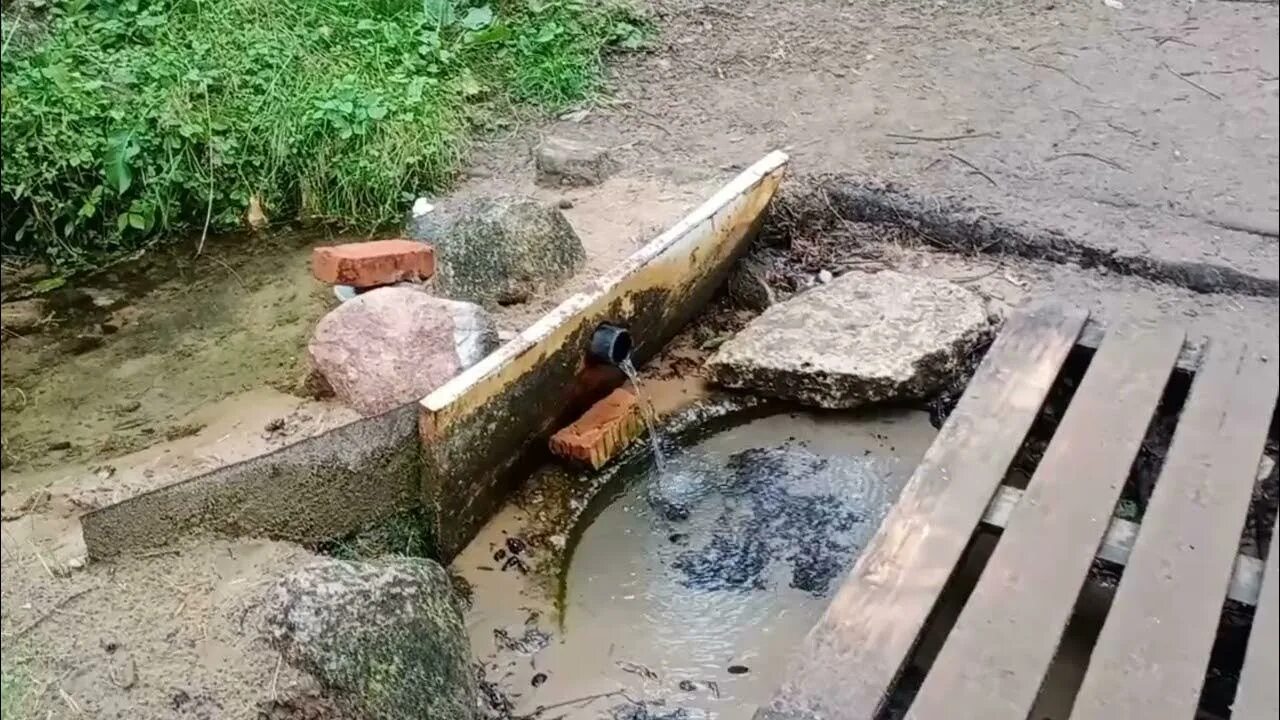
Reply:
x=1149, y=131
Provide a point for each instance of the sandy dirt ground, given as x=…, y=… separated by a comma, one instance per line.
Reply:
x=1148, y=131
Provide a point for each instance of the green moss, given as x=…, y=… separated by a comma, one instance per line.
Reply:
x=405, y=534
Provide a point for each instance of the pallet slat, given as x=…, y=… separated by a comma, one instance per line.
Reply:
x=1258, y=694
x=1246, y=576
x=851, y=658
x=1151, y=655
x=996, y=655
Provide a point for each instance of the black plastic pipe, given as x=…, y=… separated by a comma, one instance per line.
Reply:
x=610, y=344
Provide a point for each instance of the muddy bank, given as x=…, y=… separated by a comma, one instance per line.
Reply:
x=126, y=357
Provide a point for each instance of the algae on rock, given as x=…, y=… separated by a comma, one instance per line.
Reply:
x=385, y=636
x=499, y=250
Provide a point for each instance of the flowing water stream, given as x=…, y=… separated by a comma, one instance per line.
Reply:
x=647, y=413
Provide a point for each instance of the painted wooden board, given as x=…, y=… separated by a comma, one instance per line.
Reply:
x=996, y=655
x=1151, y=655
x=1258, y=693
x=847, y=662
x=1117, y=544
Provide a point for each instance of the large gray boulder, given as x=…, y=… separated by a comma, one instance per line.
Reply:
x=499, y=250
x=386, y=636
x=394, y=345
x=862, y=338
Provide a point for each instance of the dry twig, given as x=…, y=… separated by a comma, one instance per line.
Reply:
x=1192, y=83
x=1054, y=68
x=1091, y=156
x=975, y=168
x=940, y=138
x=50, y=612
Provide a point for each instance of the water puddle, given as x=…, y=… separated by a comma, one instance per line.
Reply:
x=693, y=585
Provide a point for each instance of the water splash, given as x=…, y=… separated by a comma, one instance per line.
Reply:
x=648, y=415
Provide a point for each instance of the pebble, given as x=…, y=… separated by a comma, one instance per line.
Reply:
x=825, y=277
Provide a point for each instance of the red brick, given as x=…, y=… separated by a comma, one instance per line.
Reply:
x=374, y=263
x=602, y=432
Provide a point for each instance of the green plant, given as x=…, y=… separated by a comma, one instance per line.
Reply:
x=124, y=120
x=15, y=686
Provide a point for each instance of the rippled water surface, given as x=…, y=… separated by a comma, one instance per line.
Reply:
x=705, y=576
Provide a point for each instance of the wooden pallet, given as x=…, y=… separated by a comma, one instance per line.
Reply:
x=1151, y=655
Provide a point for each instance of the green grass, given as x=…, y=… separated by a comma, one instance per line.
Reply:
x=124, y=120
x=15, y=687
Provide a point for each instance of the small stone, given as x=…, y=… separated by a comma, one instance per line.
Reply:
x=24, y=316
x=129, y=406
x=862, y=338
x=748, y=285
x=393, y=345
x=105, y=298
x=825, y=276
x=59, y=445
x=538, y=680
x=564, y=204
x=564, y=162
x=84, y=342
x=738, y=669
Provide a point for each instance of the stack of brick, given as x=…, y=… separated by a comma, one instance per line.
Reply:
x=367, y=265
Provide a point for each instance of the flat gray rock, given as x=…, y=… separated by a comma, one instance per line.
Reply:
x=863, y=338
x=385, y=636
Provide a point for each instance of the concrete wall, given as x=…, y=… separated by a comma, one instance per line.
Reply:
x=320, y=488
x=477, y=429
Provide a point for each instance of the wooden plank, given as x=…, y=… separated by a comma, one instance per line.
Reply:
x=1258, y=694
x=1151, y=655
x=1188, y=359
x=996, y=655
x=852, y=656
x=1246, y=575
